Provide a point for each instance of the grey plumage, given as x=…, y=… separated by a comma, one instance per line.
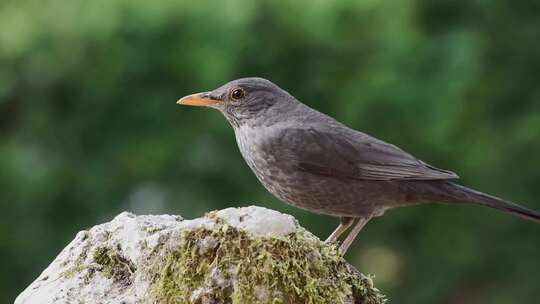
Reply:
x=314, y=162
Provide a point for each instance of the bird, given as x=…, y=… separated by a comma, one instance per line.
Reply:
x=312, y=161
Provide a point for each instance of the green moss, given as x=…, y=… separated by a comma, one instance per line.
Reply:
x=225, y=265
x=71, y=272
x=79, y=265
x=114, y=265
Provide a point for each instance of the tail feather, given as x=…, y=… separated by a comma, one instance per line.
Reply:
x=461, y=194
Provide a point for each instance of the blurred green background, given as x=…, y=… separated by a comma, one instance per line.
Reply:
x=89, y=126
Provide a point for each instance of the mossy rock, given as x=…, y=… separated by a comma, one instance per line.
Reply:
x=226, y=265
x=236, y=255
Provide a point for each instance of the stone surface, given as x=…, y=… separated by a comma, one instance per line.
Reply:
x=236, y=255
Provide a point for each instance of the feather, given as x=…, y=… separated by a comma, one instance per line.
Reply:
x=346, y=153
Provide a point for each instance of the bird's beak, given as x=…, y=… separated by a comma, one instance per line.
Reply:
x=199, y=100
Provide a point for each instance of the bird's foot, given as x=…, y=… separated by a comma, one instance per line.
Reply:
x=332, y=239
x=352, y=235
x=346, y=222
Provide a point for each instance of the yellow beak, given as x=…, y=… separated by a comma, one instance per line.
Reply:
x=199, y=100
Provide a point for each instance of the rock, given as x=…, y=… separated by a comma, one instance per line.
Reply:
x=236, y=255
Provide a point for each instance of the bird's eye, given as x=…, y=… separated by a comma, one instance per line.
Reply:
x=237, y=94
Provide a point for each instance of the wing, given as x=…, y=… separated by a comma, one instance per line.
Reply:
x=346, y=153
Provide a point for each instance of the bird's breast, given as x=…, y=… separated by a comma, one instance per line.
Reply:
x=264, y=155
x=253, y=147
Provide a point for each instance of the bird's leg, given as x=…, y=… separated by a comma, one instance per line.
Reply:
x=345, y=223
x=352, y=235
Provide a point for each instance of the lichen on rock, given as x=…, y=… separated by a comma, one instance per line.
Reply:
x=236, y=255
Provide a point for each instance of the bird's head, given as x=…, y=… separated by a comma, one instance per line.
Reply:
x=242, y=100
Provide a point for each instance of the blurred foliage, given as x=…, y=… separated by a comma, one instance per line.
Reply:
x=89, y=124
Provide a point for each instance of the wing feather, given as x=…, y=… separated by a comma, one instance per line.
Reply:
x=346, y=153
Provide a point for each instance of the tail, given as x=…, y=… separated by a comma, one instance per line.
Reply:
x=455, y=193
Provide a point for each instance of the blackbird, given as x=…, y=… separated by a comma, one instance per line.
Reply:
x=311, y=161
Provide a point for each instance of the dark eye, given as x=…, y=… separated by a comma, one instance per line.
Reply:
x=237, y=94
